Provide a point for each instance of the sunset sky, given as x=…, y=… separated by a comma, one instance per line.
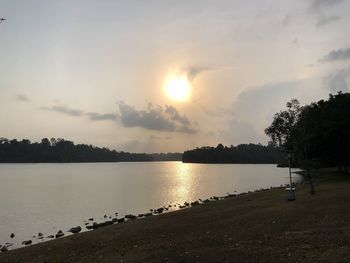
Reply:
x=165, y=76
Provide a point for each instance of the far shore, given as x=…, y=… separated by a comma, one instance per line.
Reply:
x=141, y=162
x=255, y=227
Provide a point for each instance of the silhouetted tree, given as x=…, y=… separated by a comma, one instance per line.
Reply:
x=61, y=150
x=283, y=124
x=319, y=132
x=243, y=153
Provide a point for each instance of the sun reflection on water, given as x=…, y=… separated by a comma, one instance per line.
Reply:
x=184, y=182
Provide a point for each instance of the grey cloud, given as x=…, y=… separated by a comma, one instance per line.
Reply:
x=319, y=8
x=335, y=55
x=338, y=81
x=65, y=110
x=175, y=115
x=21, y=97
x=186, y=129
x=286, y=20
x=95, y=116
x=154, y=118
x=194, y=71
x=323, y=20
x=316, y=5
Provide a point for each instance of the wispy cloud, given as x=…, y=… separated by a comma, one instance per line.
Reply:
x=317, y=5
x=338, y=81
x=65, y=110
x=22, y=97
x=194, y=71
x=320, y=9
x=95, y=116
x=336, y=55
x=323, y=20
x=187, y=129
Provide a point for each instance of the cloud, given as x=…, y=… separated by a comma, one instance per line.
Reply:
x=336, y=55
x=338, y=81
x=318, y=8
x=21, y=97
x=194, y=71
x=317, y=5
x=186, y=129
x=154, y=118
x=95, y=116
x=286, y=20
x=175, y=115
x=151, y=119
x=65, y=110
x=323, y=20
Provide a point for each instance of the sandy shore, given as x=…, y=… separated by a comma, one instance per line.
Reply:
x=257, y=227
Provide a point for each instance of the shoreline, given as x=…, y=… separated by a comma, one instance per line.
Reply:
x=91, y=224
x=27, y=230
x=254, y=227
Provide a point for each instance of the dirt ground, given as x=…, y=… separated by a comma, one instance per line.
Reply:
x=256, y=227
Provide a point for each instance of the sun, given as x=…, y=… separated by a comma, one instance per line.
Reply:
x=177, y=87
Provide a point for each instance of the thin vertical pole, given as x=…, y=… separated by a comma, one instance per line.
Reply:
x=290, y=173
x=291, y=195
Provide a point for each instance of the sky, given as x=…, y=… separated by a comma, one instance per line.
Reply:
x=96, y=72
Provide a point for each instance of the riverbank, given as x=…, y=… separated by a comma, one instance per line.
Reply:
x=256, y=227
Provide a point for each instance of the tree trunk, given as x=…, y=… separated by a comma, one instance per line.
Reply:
x=312, y=188
x=308, y=176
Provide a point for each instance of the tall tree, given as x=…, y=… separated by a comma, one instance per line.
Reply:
x=318, y=132
x=283, y=124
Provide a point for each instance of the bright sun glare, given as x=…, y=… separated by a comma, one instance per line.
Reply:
x=178, y=87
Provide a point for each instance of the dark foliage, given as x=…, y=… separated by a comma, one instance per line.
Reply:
x=166, y=156
x=319, y=133
x=243, y=153
x=59, y=151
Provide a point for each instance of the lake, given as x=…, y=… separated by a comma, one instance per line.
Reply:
x=50, y=197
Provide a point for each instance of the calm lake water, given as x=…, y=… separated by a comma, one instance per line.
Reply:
x=50, y=197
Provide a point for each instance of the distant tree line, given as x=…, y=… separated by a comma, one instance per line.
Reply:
x=317, y=134
x=166, y=156
x=243, y=153
x=61, y=150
